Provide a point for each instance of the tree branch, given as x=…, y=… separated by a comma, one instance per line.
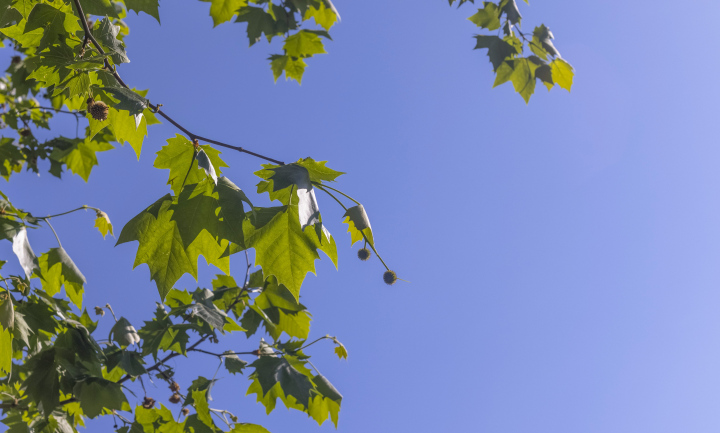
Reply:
x=156, y=108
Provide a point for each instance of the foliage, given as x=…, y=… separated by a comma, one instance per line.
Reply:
x=55, y=371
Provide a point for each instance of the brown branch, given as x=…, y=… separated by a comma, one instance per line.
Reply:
x=156, y=108
x=164, y=360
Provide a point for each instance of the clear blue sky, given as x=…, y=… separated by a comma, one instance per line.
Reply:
x=563, y=255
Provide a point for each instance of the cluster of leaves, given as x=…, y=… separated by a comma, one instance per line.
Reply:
x=54, y=371
x=517, y=57
x=284, y=19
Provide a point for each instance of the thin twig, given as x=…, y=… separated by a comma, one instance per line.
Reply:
x=156, y=108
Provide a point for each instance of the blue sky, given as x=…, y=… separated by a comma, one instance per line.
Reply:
x=563, y=255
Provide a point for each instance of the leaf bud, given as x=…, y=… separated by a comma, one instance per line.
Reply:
x=174, y=387
x=389, y=277
x=175, y=398
x=148, y=403
x=363, y=254
x=99, y=311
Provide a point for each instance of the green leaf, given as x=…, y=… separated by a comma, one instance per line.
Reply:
x=324, y=16
x=202, y=408
x=498, y=49
x=106, y=32
x=204, y=163
x=326, y=403
x=6, y=351
x=79, y=155
x=8, y=14
x=11, y=159
x=248, y=428
x=341, y=351
x=150, y=7
x=43, y=383
x=56, y=269
x=98, y=396
x=278, y=310
x=510, y=9
x=488, y=17
x=128, y=99
x=282, y=249
x=7, y=312
x=303, y=44
x=102, y=222
x=523, y=77
x=562, y=73
x=259, y=23
x=100, y=8
x=223, y=10
x=171, y=239
x=358, y=225
x=178, y=156
x=281, y=378
x=233, y=364
x=55, y=22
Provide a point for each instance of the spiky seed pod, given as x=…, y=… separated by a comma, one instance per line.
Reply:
x=99, y=311
x=174, y=387
x=25, y=132
x=98, y=110
x=389, y=277
x=185, y=411
x=175, y=398
x=15, y=60
x=364, y=254
x=148, y=403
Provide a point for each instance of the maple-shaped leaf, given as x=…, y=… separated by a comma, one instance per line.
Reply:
x=102, y=222
x=282, y=378
x=179, y=156
x=107, y=32
x=11, y=159
x=327, y=402
x=123, y=333
x=223, y=10
x=170, y=241
x=80, y=155
x=510, y=9
x=200, y=401
x=303, y=44
x=258, y=22
x=278, y=311
x=53, y=21
x=541, y=43
x=358, y=225
x=150, y=7
x=488, y=17
x=56, y=269
x=233, y=364
x=324, y=15
x=498, y=49
x=282, y=249
x=98, y=396
x=521, y=72
x=43, y=383
x=124, y=126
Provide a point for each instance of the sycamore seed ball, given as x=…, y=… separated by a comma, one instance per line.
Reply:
x=389, y=277
x=364, y=254
x=175, y=398
x=98, y=110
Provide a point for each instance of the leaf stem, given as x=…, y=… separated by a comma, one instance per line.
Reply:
x=47, y=221
x=71, y=211
x=322, y=188
x=339, y=192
